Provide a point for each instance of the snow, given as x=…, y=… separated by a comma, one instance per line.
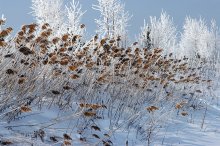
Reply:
x=187, y=132
x=150, y=99
x=180, y=130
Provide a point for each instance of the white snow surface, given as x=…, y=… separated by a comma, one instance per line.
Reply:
x=178, y=130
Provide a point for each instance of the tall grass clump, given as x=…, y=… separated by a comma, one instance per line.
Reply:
x=90, y=82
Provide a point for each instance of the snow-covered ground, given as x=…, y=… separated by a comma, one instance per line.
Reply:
x=187, y=131
x=180, y=130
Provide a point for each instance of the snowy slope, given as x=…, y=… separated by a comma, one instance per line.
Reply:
x=180, y=130
x=187, y=131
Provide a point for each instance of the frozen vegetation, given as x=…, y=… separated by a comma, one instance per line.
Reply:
x=59, y=87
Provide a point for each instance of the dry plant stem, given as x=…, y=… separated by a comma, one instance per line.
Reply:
x=72, y=76
x=204, y=116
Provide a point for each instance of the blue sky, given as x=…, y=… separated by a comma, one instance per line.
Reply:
x=18, y=11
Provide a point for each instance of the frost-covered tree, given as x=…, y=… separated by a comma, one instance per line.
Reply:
x=62, y=20
x=121, y=26
x=49, y=11
x=113, y=20
x=159, y=33
x=74, y=15
x=215, y=40
x=145, y=37
x=197, y=40
x=2, y=21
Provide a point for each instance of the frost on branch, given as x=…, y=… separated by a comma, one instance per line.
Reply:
x=2, y=21
x=159, y=33
x=74, y=16
x=144, y=37
x=48, y=11
x=95, y=83
x=113, y=20
x=198, y=40
x=63, y=20
x=215, y=40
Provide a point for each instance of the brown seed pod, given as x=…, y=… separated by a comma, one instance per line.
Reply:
x=72, y=67
x=67, y=137
x=184, y=113
x=10, y=72
x=152, y=108
x=95, y=106
x=4, y=33
x=3, y=43
x=63, y=49
x=24, y=28
x=65, y=37
x=135, y=43
x=178, y=106
x=20, y=33
x=84, y=105
x=102, y=78
x=170, y=55
x=44, y=34
x=43, y=49
x=102, y=42
x=53, y=138
x=9, y=55
x=21, y=80
x=2, y=22
x=55, y=92
x=149, y=90
x=96, y=136
x=57, y=73
x=32, y=26
x=45, y=26
x=82, y=139
x=25, y=109
x=67, y=87
x=104, y=106
x=111, y=41
x=45, y=61
x=96, y=128
x=105, y=143
x=158, y=50
x=66, y=143
x=90, y=65
x=74, y=76
x=38, y=39
x=198, y=91
x=82, y=26
x=53, y=58
x=106, y=135
x=25, y=50
x=64, y=62
x=31, y=37
x=55, y=40
x=89, y=114
x=9, y=29
x=31, y=31
x=5, y=142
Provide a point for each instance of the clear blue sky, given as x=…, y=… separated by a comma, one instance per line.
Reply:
x=18, y=11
